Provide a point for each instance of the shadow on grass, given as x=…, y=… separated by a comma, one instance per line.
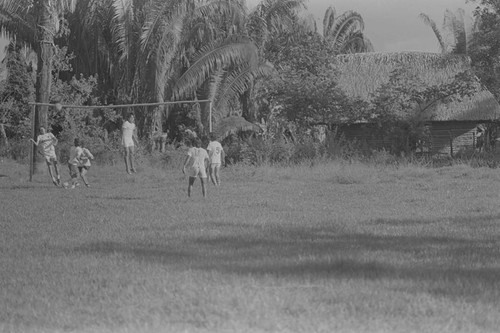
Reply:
x=327, y=253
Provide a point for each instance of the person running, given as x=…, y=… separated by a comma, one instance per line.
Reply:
x=47, y=142
x=79, y=164
x=196, y=165
x=217, y=157
x=85, y=156
x=129, y=141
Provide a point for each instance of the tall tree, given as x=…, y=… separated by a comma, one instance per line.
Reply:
x=36, y=23
x=454, y=37
x=345, y=32
x=485, y=46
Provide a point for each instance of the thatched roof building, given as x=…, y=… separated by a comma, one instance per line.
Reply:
x=360, y=75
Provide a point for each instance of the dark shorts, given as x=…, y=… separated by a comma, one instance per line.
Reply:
x=80, y=168
x=73, y=170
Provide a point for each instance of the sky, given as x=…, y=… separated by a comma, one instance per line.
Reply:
x=392, y=25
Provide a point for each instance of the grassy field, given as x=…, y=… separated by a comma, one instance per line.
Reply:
x=329, y=248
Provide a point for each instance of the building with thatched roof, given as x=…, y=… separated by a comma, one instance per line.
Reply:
x=452, y=124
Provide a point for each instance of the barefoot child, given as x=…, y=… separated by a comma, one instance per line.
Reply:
x=217, y=158
x=79, y=164
x=197, y=164
x=47, y=142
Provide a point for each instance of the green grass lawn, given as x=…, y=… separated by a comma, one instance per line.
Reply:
x=329, y=248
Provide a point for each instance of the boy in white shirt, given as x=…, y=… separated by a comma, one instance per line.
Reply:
x=79, y=163
x=129, y=141
x=217, y=157
x=48, y=141
x=196, y=165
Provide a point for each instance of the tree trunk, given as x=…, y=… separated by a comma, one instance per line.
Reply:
x=3, y=137
x=46, y=32
x=248, y=106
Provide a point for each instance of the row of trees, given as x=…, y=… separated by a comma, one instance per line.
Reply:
x=161, y=50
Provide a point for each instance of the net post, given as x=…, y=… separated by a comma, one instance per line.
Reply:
x=210, y=116
x=32, y=148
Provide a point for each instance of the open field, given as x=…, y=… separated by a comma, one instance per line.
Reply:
x=330, y=248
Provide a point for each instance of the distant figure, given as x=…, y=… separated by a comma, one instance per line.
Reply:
x=480, y=136
x=216, y=157
x=79, y=164
x=48, y=142
x=129, y=141
x=196, y=165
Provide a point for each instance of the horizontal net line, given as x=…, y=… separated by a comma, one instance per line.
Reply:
x=111, y=106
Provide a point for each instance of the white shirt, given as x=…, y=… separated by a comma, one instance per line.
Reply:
x=127, y=134
x=47, y=141
x=214, y=151
x=74, y=155
x=197, y=157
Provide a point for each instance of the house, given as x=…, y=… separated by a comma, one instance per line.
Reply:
x=451, y=125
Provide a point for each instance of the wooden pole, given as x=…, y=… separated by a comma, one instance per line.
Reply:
x=32, y=145
x=210, y=116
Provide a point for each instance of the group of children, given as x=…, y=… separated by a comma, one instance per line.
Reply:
x=78, y=163
x=199, y=163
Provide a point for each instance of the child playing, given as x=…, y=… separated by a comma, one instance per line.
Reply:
x=48, y=141
x=217, y=157
x=79, y=163
x=197, y=164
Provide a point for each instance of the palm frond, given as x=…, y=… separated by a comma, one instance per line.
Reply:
x=17, y=19
x=239, y=81
x=428, y=21
x=232, y=51
x=346, y=24
x=328, y=20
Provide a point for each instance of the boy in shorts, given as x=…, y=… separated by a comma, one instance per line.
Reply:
x=48, y=141
x=129, y=141
x=196, y=165
x=79, y=163
x=217, y=157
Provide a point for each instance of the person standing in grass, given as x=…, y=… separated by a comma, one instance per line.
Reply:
x=196, y=165
x=79, y=164
x=217, y=157
x=48, y=141
x=129, y=141
x=84, y=155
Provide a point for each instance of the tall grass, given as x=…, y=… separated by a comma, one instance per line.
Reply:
x=312, y=247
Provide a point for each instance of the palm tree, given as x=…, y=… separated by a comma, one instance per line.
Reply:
x=454, y=36
x=36, y=24
x=344, y=33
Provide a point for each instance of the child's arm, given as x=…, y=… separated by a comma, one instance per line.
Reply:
x=54, y=140
x=89, y=154
x=134, y=137
x=223, y=158
x=35, y=142
x=184, y=165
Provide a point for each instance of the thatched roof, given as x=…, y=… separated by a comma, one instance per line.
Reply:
x=362, y=74
x=234, y=124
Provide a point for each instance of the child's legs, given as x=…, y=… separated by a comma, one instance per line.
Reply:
x=56, y=168
x=73, y=173
x=49, y=163
x=216, y=174
x=131, y=157
x=126, y=153
x=190, y=186
x=212, y=173
x=83, y=173
x=204, y=180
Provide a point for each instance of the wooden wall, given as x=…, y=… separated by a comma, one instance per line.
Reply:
x=446, y=137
